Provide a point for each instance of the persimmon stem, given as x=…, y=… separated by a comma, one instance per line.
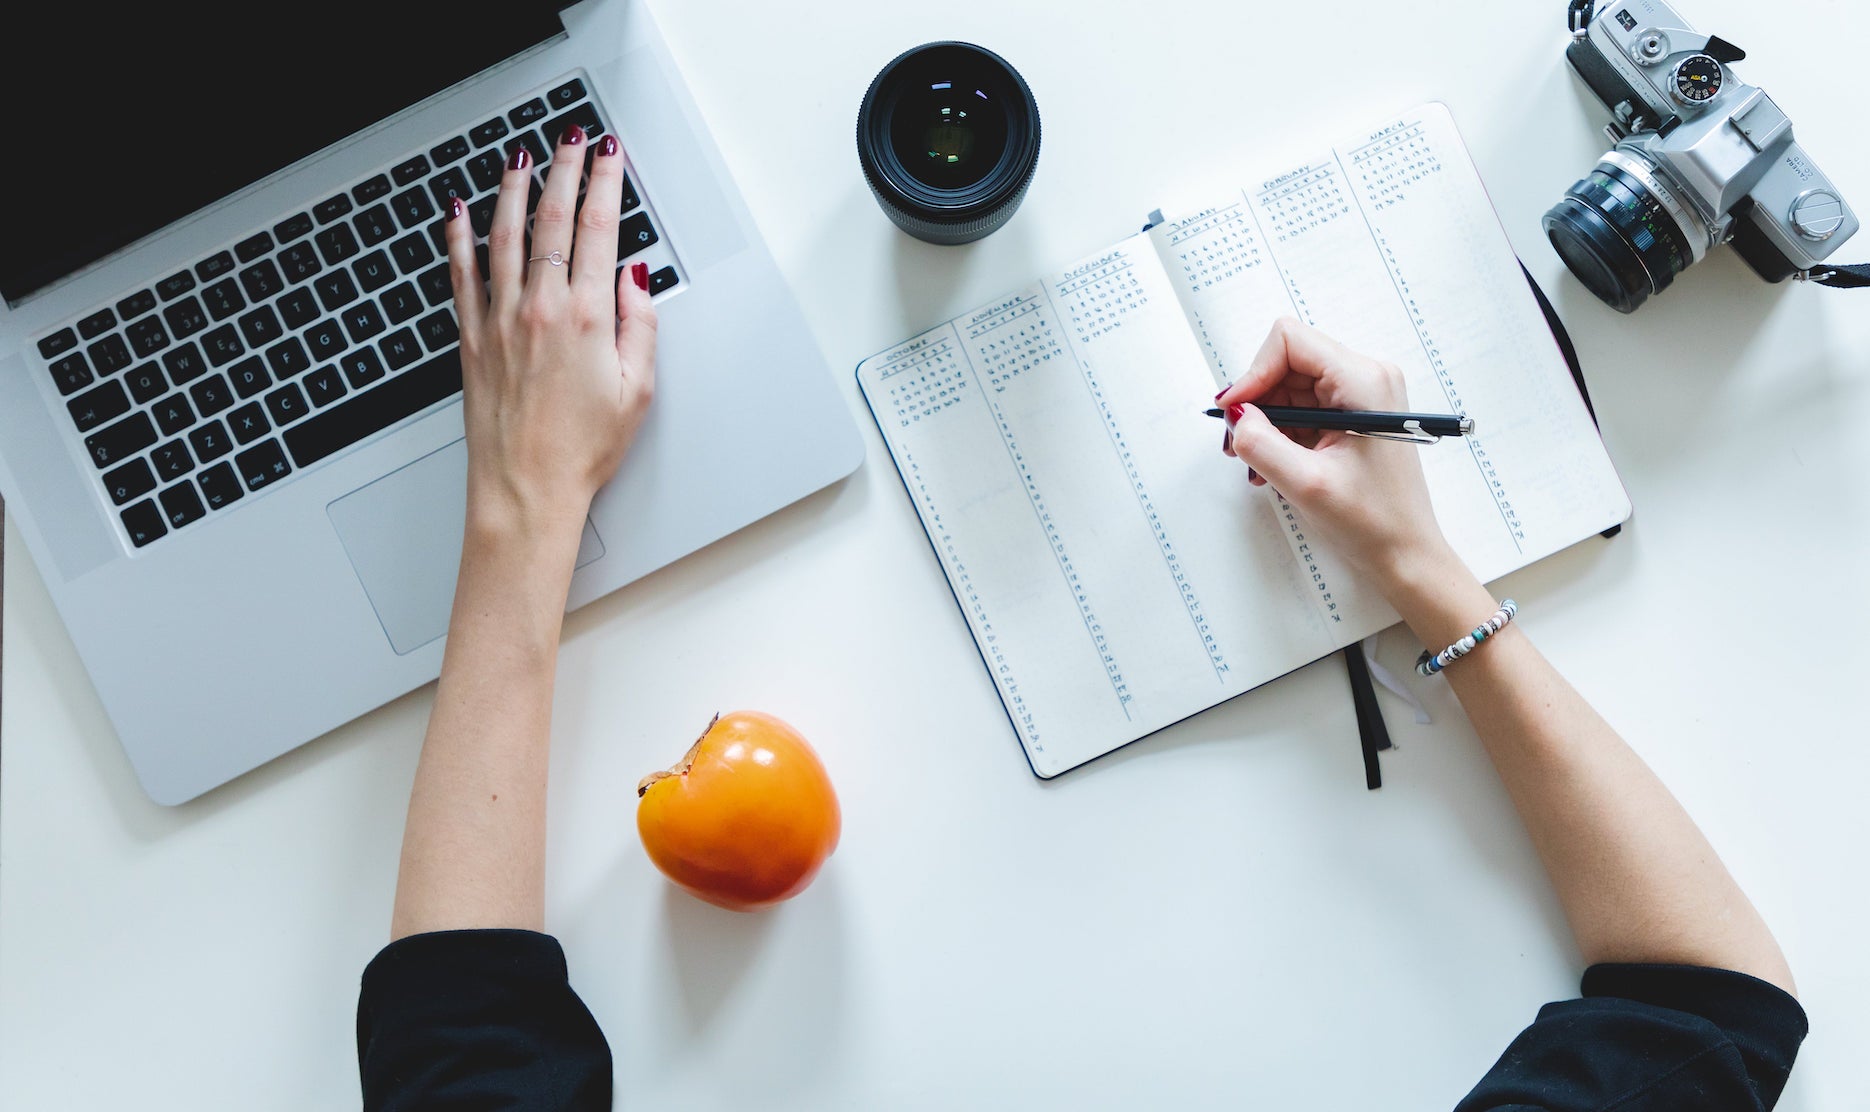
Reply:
x=681, y=766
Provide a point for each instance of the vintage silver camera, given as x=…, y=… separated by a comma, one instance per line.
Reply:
x=1701, y=159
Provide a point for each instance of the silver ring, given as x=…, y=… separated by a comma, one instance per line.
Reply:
x=556, y=258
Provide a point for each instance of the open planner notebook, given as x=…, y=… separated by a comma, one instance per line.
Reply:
x=1117, y=571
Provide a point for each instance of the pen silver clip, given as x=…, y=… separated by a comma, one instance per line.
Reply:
x=1413, y=434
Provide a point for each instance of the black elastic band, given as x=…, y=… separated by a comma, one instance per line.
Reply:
x=1371, y=731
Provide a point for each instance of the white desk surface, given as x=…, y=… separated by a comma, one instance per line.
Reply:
x=1220, y=916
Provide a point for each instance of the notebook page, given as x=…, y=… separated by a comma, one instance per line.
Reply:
x=1390, y=244
x=1115, y=569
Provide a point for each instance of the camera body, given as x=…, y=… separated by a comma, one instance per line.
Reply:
x=1701, y=159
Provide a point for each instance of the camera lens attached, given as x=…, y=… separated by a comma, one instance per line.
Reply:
x=1624, y=234
x=948, y=137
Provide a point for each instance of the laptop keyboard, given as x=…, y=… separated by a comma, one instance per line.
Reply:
x=308, y=336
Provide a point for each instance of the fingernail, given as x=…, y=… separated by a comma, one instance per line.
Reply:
x=1224, y=390
x=520, y=159
x=1227, y=440
x=1234, y=413
x=455, y=208
x=1252, y=475
x=608, y=146
x=573, y=136
x=639, y=273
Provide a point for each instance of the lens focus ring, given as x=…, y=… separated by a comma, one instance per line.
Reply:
x=1618, y=236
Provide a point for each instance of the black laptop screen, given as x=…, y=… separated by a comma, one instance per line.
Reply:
x=125, y=118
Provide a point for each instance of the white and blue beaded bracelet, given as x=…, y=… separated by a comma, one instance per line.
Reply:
x=1428, y=665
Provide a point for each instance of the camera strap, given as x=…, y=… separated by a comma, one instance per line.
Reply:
x=1854, y=277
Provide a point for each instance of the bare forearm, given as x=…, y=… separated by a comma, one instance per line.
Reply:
x=474, y=843
x=1637, y=879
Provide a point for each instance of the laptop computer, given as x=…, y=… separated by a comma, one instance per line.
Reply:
x=229, y=380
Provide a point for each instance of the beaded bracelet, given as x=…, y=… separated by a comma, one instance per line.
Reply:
x=1428, y=665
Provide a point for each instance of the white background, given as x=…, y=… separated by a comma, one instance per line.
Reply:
x=1220, y=916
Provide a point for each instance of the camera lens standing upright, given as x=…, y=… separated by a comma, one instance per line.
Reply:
x=1701, y=159
x=948, y=138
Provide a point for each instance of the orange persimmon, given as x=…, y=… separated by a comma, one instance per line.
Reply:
x=746, y=818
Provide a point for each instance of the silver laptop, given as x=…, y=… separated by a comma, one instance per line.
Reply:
x=230, y=419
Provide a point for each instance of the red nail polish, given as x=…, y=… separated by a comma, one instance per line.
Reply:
x=1227, y=440
x=1252, y=475
x=1224, y=390
x=639, y=273
x=608, y=146
x=1234, y=413
x=455, y=208
x=520, y=159
x=573, y=136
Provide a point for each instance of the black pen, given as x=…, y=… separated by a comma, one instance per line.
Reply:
x=1363, y=422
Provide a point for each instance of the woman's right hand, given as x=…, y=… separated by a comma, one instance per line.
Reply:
x=1365, y=497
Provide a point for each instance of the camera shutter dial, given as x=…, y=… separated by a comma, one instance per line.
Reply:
x=1698, y=79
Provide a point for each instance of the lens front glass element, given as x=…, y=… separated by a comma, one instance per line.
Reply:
x=948, y=133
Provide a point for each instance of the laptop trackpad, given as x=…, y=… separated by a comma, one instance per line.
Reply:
x=403, y=535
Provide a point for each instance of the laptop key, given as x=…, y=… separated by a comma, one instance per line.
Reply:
x=336, y=243
x=223, y=299
x=220, y=488
x=401, y=302
x=437, y=287
x=411, y=171
x=374, y=271
x=212, y=395
x=287, y=404
x=210, y=441
x=486, y=169
x=94, y=407
x=362, y=321
x=336, y=290
x=261, y=280
x=411, y=253
x=350, y=421
x=214, y=266
x=412, y=207
x=438, y=330
x=71, y=373
x=185, y=318
x=145, y=383
x=97, y=324
x=181, y=505
x=584, y=116
x=634, y=234
x=248, y=423
x=287, y=358
x=374, y=225
x=171, y=460
x=175, y=285
x=331, y=208
x=261, y=327
x=298, y=308
x=454, y=150
x=447, y=185
x=172, y=414
x=185, y=364
x=300, y=262
x=253, y=247
x=325, y=385
x=662, y=279
x=540, y=152
x=138, y=303
x=132, y=480
x=400, y=349
x=292, y=227
x=325, y=340
x=58, y=343
x=569, y=93
x=120, y=441
x=109, y=355
x=629, y=199
x=262, y=466
x=249, y=376
x=147, y=337
x=372, y=190
x=528, y=114
x=361, y=367
x=143, y=522
x=488, y=132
